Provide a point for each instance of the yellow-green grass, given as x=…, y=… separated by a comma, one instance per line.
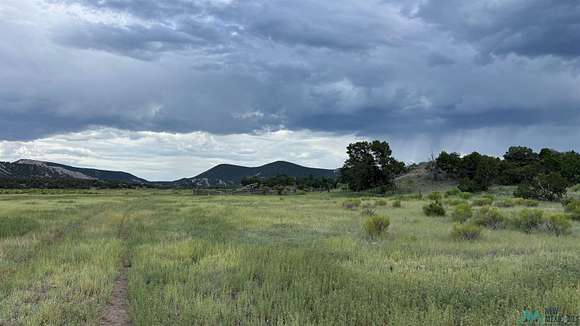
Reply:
x=269, y=260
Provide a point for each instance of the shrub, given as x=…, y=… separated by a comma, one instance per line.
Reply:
x=435, y=196
x=351, y=203
x=489, y=217
x=566, y=200
x=544, y=187
x=462, y=213
x=529, y=220
x=366, y=204
x=415, y=196
x=573, y=208
x=526, y=202
x=519, y=201
x=468, y=185
x=397, y=203
x=530, y=203
x=455, y=202
x=465, y=232
x=505, y=203
x=483, y=201
x=381, y=202
x=558, y=224
x=368, y=211
x=376, y=225
x=434, y=209
x=452, y=192
x=465, y=195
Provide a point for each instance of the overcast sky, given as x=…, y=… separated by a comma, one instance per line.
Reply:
x=168, y=88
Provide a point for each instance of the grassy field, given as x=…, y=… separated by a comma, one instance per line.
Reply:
x=269, y=260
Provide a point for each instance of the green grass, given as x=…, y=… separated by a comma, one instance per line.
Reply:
x=269, y=260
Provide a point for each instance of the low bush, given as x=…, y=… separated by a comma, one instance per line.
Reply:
x=558, y=224
x=434, y=209
x=519, y=201
x=573, y=208
x=465, y=232
x=505, y=203
x=489, y=196
x=397, y=203
x=462, y=213
x=531, y=203
x=381, y=202
x=483, y=201
x=452, y=192
x=415, y=196
x=376, y=225
x=490, y=217
x=465, y=195
x=351, y=203
x=566, y=200
x=469, y=185
x=367, y=204
x=529, y=220
x=435, y=196
x=526, y=202
x=455, y=202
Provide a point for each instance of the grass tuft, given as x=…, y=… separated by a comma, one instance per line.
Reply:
x=376, y=225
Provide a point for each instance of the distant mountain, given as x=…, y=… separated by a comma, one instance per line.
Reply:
x=230, y=175
x=25, y=169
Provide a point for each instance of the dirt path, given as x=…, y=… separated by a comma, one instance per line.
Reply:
x=117, y=311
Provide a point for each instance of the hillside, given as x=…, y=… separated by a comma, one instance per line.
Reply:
x=28, y=169
x=231, y=175
x=419, y=178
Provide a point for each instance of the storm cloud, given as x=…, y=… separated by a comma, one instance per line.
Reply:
x=527, y=28
x=427, y=70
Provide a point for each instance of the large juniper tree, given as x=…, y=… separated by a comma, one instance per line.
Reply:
x=370, y=165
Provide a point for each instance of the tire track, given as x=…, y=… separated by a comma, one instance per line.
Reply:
x=117, y=311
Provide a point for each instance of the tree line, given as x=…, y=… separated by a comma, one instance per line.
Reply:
x=68, y=183
x=544, y=175
x=301, y=183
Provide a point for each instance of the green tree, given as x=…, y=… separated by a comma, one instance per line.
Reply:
x=550, y=160
x=486, y=172
x=478, y=172
x=571, y=167
x=544, y=187
x=450, y=163
x=370, y=165
x=469, y=165
x=520, y=156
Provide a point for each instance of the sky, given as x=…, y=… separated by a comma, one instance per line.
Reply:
x=166, y=89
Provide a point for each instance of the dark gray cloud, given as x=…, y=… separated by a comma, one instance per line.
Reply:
x=344, y=25
x=438, y=59
x=368, y=67
x=137, y=41
x=529, y=28
x=147, y=9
